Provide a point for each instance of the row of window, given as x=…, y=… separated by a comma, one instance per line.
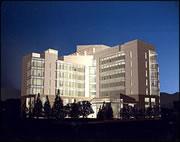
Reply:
x=153, y=58
x=35, y=82
x=62, y=92
x=154, y=74
x=120, y=62
x=154, y=88
x=105, y=93
x=113, y=56
x=37, y=63
x=113, y=76
x=154, y=92
x=154, y=66
x=154, y=83
x=70, y=68
x=69, y=84
x=92, y=87
x=92, y=70
x=148, y=99
x=113, y=59
x=92, y=93
x=70, y=92
x=69, y=76
x=92, y=79
x=35, y=72
x=114, y=84
x=35, y=91
x=114, y=68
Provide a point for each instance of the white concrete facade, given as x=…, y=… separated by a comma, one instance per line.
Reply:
x=94, y=72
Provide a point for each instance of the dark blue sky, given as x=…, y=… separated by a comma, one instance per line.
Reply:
x=35, y=26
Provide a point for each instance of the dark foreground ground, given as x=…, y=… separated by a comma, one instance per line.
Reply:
x=89, y=129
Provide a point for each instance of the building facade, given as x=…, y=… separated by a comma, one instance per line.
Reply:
x=96, y=73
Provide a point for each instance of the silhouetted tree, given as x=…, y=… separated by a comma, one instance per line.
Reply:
x=103, y=111
x=99, y=114
x=134, y=112
x=37, y=107
x=156, y=111
x=58, y=92
x=109, y=111
x=58, y=108
x=85, y=108
x=166, y=113
x=25, y=110
x=148, y=112
x=131, y=112
x=106, y=112
x=67, y=110
x=74, y=113
x=47, y=107
x=141, y=113
x=124, y=112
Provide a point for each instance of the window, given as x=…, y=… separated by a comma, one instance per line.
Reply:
x=131, y=63
x=92, y=70
x=146, y=73
x=130, y=53
x=146, y=64
x=145, y=55
x=146, y=82
x=146, y=100
x=153, y=100
x=39, y=82
x=146, y=91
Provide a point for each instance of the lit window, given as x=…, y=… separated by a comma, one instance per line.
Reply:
x=145, y=55
x=146, y=91
x=153, y=100
x=146, y=64
x=146, y=73
x=146, y=82
x=146, y=100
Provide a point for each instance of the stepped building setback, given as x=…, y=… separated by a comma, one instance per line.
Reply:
x=126, y=74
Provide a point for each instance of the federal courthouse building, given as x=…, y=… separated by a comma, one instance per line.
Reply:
x=126, y=74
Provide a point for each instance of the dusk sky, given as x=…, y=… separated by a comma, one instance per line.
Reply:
x=35, y=26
